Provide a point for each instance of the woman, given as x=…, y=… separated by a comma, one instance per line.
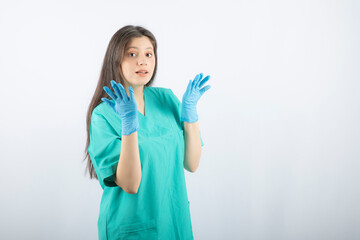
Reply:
x=139, y=142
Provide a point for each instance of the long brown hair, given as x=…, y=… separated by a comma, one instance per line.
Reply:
x=111, y=70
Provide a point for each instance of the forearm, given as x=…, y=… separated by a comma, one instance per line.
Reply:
x=192, y=146
x=128, y=172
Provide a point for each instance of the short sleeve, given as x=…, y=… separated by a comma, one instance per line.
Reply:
x=178, y=104
x=104, y=149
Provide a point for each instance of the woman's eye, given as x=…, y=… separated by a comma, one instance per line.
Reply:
x=135, y=54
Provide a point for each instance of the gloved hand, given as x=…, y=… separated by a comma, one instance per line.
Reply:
x=124, y=106
x=192, y=96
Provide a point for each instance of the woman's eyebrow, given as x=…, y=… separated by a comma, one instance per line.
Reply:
x=138, y=48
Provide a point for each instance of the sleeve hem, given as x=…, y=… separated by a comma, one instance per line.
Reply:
x=108, y=174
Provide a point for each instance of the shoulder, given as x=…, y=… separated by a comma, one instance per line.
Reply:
x=104, y=118
x=102, y=112
x=100, y=109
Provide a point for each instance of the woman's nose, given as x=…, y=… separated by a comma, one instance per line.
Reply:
x=142, y=61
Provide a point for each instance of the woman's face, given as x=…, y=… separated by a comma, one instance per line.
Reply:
x=138, y=55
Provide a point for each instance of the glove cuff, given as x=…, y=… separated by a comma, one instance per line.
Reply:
x=189, y=113
x=130, y=124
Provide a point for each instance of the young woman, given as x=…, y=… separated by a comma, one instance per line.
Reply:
x=140, y=139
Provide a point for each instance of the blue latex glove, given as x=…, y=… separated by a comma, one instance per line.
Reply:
x=192, y=96
x=124, y=106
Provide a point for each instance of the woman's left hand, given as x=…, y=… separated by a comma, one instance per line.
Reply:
x=191, y=96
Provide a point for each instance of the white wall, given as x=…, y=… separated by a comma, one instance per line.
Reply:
x=280, y=124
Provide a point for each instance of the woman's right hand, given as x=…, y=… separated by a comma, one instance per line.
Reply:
x=125, y=106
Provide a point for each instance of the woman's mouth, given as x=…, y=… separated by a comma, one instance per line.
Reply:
x=142, y=73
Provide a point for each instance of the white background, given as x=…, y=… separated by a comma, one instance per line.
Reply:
x=280, y=123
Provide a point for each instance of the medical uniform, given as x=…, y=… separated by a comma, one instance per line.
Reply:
x=160, y=209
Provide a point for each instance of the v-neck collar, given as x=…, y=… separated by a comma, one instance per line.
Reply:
x=145, y=105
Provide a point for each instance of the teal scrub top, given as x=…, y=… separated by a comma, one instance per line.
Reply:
x=160, y=209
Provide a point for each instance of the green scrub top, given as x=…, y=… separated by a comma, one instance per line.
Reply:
x=160, y=209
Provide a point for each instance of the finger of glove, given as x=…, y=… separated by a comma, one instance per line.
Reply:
x=201, y=75
x=131, y=93
x=204, y=89
x=188, y=89
x=123, y=92
x=203, y=81
x=192, y=90
x=196, y=79
x=116, y=89
x=110, y=93
x=109, y=103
